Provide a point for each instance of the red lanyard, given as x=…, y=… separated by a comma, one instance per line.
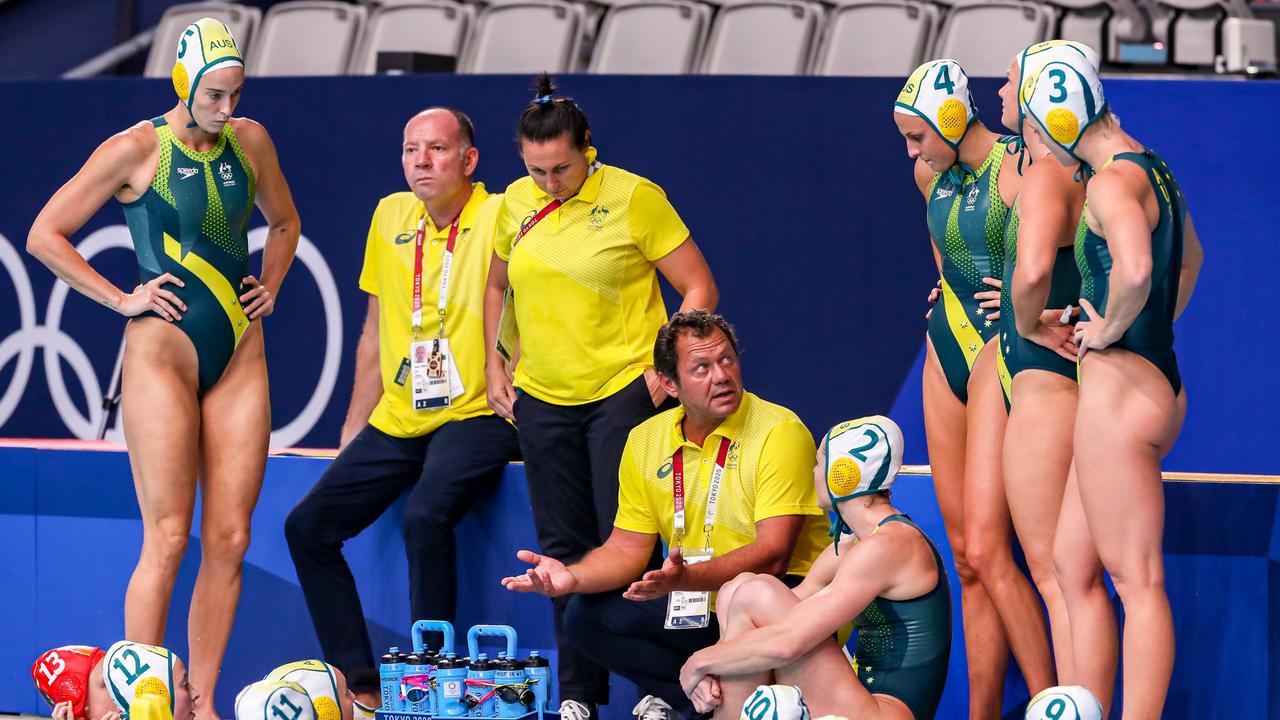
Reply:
x=445, y=267
x=525, y=228
x=713, y=492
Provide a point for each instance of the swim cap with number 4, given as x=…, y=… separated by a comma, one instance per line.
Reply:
x=938, y=91
x=1065, y=97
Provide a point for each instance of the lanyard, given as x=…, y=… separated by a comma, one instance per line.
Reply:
x=445, y=267
x=551, y=206
x=713, y=492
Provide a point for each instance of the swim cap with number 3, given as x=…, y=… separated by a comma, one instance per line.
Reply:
x=1065, y=97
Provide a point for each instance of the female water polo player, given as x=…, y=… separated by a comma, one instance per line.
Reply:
x=960, y=169
x=195, y=377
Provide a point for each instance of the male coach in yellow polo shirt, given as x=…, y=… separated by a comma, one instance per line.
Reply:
x=429, y=427
x=725, y=480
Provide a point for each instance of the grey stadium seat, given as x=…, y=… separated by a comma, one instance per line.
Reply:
x=1219, y=33
x=242, y=21
x=307, y=37
x=438, y=27
x=876, y=38
x=524, y=36
x=984, y=35
x=763, y=37
x=651, y=37
x=1100, y=24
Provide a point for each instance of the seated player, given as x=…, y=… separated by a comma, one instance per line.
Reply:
x=325, y=683
x=886, y=577
x=72, y=679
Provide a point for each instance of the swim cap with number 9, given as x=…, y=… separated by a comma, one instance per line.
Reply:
x=1067, y=702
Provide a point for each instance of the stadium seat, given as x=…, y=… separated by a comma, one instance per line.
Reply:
x=984, y=35
x=876, y=37
x=438, y=27
x=1222, y=34
x=651, y=37
x=1100, y=24
x=763, y=37
x=524, y=36
x=306, y=37
x=241, y=20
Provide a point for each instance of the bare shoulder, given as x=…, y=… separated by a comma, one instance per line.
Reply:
x=131, y=146
x=252, y=135
x=1047, y=178
x=1118, y=182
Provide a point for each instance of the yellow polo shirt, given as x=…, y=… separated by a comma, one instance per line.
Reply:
x=587, y=301
x=768, y=473
x=388, y=274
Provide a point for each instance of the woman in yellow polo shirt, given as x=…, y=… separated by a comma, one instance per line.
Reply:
x=577, y=244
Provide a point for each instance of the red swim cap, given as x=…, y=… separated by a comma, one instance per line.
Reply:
x=62, y=674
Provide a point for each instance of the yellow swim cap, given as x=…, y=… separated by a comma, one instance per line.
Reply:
x=319, y=680
x=938, y=91
x=205, y=44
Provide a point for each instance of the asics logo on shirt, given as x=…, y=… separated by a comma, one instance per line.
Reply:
x=403, y=238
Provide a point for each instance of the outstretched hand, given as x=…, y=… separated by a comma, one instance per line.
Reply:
x=548, y=576
x=656, y=583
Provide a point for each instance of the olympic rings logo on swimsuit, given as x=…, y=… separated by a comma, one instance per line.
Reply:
x=59, y=346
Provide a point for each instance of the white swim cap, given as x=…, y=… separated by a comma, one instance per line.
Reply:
x=206, y=44
x=318, y=679
x=938, y=91
x=274, y=700
x=132, y=670
x=1067, y=702
x=775, y=702
x=1036, y=56
x=863, y=457
x=1065, y=96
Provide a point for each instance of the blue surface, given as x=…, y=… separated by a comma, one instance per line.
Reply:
x=70, y=553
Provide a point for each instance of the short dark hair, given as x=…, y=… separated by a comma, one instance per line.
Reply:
x=466, y=127
x=698, y=322
x=546, y=117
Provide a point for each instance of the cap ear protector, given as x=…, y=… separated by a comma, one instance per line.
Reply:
x=133, y=670
x=1065, y=96
x=863, y=456
x=938, y=92
x=205, y=44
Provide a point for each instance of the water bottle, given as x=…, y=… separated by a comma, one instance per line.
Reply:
x=480, y=679
x=451, y=679
x=416, y=683
x=538, y=670
x=510, y=672
x=429, y=659
x=390, y=673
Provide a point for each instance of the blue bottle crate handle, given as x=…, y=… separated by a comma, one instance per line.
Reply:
x=443, y=626
x=473, y=637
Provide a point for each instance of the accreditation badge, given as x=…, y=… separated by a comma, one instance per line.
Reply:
x=430, y=367
x=689, y=609
x=508, y=333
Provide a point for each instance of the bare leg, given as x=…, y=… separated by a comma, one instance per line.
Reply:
x=988, y=530
x=1037, y=458
x=823, y=675
x=1128, y=420
x=237, y=426
x=1094, y=637
x=986, y=645
x=161, y=428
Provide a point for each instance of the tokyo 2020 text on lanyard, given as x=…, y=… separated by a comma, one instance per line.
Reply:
x=690, y=609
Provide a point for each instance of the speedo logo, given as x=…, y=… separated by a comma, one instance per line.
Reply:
x=187, y=172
